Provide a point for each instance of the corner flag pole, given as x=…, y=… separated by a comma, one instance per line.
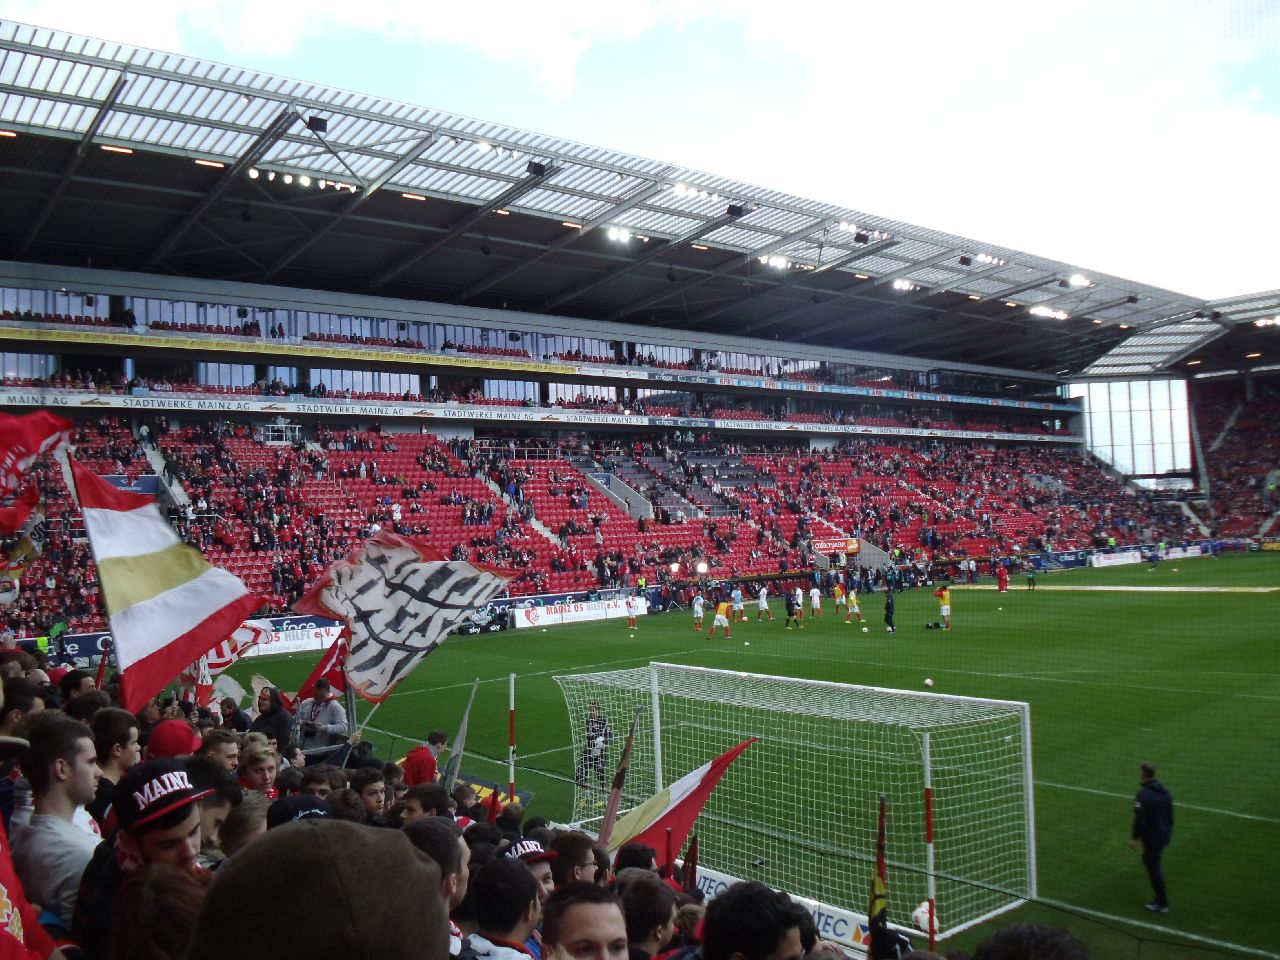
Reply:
x=511, y=738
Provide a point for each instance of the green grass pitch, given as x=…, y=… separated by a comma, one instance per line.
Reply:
x=1178, y=666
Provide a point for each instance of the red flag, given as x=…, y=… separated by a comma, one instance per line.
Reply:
x=675, y=808
x=23, y=438
x=15, y=516
x=329, y=667
x=690, y=866
x=493, y=803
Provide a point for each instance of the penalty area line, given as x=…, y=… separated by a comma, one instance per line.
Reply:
x=1216, y=811
x=1157, y=928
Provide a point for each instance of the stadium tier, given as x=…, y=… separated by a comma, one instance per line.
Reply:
x=276, y=512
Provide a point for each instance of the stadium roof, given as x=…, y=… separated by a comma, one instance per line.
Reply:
x=133, y=159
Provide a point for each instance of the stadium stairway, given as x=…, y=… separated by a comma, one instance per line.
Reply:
x=1225, y=432
x=172, y=487
x=1191, y=515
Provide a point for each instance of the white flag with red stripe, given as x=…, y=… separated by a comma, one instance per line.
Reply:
x=166, y=605
x=205, y=671
x=674, y=809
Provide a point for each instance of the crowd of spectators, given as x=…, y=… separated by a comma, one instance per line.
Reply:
x=186, y=832
x=1241, y=440
x=277, y=514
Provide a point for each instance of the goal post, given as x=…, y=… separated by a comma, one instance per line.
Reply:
x=799, y=809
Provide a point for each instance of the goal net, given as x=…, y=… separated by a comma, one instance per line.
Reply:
x=798, y=810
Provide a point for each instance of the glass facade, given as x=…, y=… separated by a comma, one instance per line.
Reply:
x=1138, y=426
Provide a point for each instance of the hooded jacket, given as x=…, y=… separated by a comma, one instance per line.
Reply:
x=277, y=723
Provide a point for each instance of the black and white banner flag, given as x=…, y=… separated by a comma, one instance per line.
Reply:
x=399, y=599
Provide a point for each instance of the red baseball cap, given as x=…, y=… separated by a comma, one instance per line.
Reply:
x=172, y=738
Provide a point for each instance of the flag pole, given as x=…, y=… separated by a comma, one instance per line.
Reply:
x=619, y=778
x=102, y=664
x=511, y=737
x=69, y=477
x=454, y=763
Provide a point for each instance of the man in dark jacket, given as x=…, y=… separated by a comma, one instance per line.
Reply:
x=273, y=719
x=1153, y=828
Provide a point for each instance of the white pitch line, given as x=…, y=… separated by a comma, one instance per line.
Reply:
x=571, y=668
x=1167, y=931
x=1122, y=588
x=1182, y=805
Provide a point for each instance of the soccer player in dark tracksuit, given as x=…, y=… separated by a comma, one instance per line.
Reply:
x=888, y=608
x=1153, y=828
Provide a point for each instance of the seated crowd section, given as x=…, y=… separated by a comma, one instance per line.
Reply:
x=277, y=514
x=1241, y=440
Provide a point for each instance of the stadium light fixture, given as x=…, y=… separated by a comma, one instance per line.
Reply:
x=304, y=180
x=1078, y=280
x=271, y=174
x=1097, y=321
x=215, y=164
x=1267, y=322
x=1126, y=326
x=903, y=284
x=253, y=173
x=413, y=196
x=988, y=260
x=503, y=212
x=619, y=234
x=483, y=147
x=111, y=148
x=699, y=246
x=570, y=224
x=1010, y=303
x=8, y=133
x=1049, y=312
x=1194, y=363
x=861, y=276
x=288, y=178
x=974, y=296
x=1252, y=356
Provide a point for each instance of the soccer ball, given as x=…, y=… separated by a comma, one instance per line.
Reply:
x=920, y=916
x=865, y=630
x=928, y=681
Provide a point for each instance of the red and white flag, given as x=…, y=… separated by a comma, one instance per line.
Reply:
x=676, y=807
x=23, y=438
x=167, y=607
x=205, y=671
x=399, y=599
x=329, y=667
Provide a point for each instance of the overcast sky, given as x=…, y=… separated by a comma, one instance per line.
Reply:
x=1131, y=137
